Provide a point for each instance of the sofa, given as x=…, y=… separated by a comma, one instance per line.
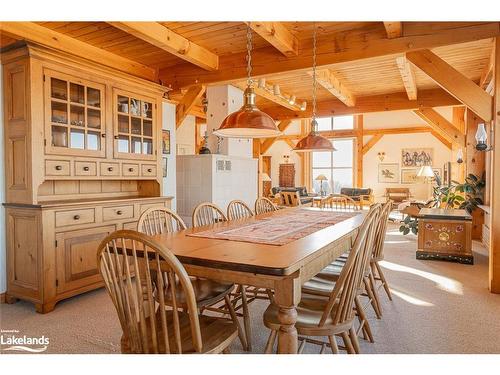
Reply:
x=305, y=198
x=362, y=195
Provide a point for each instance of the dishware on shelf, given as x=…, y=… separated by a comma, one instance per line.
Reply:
x=145, y=109
x=135, y=107
x=124, y=107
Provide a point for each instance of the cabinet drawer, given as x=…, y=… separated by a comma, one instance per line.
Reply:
x=75, y=217
x=148, y=170
x=84, y=168
x=57, y=167
x=110, y=169
x=130, y=169
x=117, y=212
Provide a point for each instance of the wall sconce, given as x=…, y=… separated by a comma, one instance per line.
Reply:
x=481, y=138
x=381, y=156
x=303, y=106
x=460, y=156
x=262, y=83
x=292, y=99
x=286, y=159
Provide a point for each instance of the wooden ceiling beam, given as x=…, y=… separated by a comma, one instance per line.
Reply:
x=349, y=46
x=160, y=36
x=441, y=125
x=278, y=99
x=368, y=104
x=278, y=36
x=187, y=103
x=458, y=85
x=283, y=125
x=327, y=79
x=487, y=74
x=30, y=31
x=408, y=76
x=372, y=142
x=444, y=140
x=393, y=29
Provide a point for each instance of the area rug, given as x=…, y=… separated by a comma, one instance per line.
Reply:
x=280, y=229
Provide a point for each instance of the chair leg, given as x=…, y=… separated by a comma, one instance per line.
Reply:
x=270, y=342
x=226, y=350
x=375, y=293
x=234, y=318
x=368, y=289
x=347, y=343
x=246, y=318
x=333, y=344
x=354, y=340
x=363, y=320
x=384, y=281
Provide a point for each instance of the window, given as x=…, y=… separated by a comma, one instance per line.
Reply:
x=337, y=166
x=335, y=123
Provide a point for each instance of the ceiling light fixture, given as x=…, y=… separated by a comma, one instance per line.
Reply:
x=248, y=121
x=314, y=141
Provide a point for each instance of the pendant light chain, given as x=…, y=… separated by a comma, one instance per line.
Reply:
x=314, y=72
x=249, y=55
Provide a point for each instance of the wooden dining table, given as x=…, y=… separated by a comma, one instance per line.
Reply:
x=281, y=268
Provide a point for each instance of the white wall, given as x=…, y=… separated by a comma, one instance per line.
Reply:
x=185, y=135
x=392, y=145
x=3, y=267
x=169, y=183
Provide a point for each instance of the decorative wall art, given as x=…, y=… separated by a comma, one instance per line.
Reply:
x=416, y=157
x=165, y=142
x=409, y=176
x=388, y=173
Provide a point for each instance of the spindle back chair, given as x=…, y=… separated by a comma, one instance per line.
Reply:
x=264, y=205
x=237, y=209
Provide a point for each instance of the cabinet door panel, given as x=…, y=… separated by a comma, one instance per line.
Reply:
x=76, y=257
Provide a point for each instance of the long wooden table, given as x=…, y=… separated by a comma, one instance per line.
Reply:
x=281, y=268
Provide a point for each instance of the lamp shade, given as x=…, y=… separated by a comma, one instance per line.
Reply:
x=313, y=141
x=321, y=177
x=248, y=121
x=425, y=171
x=265, y=177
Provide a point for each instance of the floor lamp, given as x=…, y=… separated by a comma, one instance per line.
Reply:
x=426, y=172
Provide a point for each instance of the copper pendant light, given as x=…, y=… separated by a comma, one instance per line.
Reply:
x=248, y=121
x=314, y=141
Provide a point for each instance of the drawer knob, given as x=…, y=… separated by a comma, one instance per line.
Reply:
x=119, y=212
x=150, y=170
x=110, y=169
x=76, y=217
x=58, y=167
x=131, y=169
x=86, y=169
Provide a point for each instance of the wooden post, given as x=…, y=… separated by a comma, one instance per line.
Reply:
x=258, y=156
x=494, y=260
x=358, y=126
x=459, y=122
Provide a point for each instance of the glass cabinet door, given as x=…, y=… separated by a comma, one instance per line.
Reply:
x=75, y=116
x=134, y=129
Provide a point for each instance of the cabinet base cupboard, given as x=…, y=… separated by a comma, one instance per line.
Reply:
x=83, y=159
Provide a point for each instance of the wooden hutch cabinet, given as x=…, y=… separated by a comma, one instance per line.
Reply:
x=82, y=152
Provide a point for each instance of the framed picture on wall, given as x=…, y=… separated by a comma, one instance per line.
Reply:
x=409, y=176
x=165, y=142
x=388, y=173
x=164, y=165
x=416, y=157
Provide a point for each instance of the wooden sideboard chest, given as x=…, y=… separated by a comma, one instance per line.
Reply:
x=445, y=235
x=287, y=175
x=83, y=159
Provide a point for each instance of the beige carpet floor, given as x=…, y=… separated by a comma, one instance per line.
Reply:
x=438, y=307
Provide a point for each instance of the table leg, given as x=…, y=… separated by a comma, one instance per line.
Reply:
x=287, y=296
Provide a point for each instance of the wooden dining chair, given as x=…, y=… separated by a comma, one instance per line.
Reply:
x=206, y=214
x=158, y=220
x=264, y=205
x=126, y=260
x=290, y=198
x=237, y=209
x=340, y=202
x=332, y=315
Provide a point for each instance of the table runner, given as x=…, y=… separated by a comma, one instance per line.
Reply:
x=283, y=227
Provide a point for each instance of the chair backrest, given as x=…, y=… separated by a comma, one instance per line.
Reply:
x=341, y=201
x=263, y=205
x=341, y=300
x=207, y=213
x=397, y=194
x=378, y=246
x=157, y=220
x=290, y=198
x=126, y=260
x=238, y=209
